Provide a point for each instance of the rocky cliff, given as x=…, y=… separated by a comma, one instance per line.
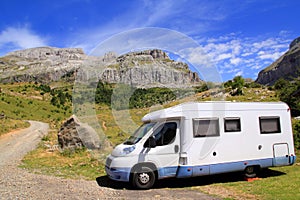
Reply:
x=43, y=64
x=147, y=68
x=287, y=66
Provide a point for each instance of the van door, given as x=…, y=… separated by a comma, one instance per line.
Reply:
x=165, y=154
x=281, y=154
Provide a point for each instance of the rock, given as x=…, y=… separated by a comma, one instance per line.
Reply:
x=74, y=134
x=295, y=42
x=2, y=115
x=42, y=64
x=49, y=53
x=287, y=66
x=149, y=68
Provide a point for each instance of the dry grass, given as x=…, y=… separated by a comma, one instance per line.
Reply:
x=8, y=125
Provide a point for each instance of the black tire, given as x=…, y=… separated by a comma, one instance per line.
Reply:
x=143, y=178
x=250, y=171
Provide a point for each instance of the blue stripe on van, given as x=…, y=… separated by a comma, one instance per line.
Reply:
x=185, y=171
x=166, y=172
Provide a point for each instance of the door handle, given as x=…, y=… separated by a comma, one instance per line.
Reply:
x=176, y=148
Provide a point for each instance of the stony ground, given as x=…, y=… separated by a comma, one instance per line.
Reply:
x=16, y=183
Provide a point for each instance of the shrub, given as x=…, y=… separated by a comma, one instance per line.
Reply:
x=296, y=130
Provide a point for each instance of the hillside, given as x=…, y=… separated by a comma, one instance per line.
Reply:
x=149, y=68
x=286, y=67
x=33, y=101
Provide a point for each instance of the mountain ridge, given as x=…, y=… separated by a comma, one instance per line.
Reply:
x=148, y=68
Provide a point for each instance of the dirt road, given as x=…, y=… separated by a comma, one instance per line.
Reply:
x=16, y=183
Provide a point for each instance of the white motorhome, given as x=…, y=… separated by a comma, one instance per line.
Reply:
x=196, y=139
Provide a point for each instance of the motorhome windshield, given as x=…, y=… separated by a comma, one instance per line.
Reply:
x=139, y=133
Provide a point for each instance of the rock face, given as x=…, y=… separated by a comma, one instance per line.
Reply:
x=287, y=66
x=41, y=64
x=74, y=134
x=148, y=68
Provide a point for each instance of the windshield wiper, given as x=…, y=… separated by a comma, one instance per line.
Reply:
x=130, y=140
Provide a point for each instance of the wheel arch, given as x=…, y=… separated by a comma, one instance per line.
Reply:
x=138, y=166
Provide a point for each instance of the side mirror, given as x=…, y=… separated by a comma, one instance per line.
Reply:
x=150, y=143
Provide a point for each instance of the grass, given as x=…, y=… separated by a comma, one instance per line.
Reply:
x=275, y=183
x=74, y=164
x=19, y=101
x=23, y=102
x=8, y=125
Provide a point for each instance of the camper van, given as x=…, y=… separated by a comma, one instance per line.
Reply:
x=197, y=139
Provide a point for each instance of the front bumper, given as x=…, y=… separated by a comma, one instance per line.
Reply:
x=118, y=174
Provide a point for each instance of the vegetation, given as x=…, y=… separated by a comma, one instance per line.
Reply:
x=35, y=102
x=274, y=183
x=289, y=92
x=28, y=101
x=124, y=96
x=7, y=125
x=236, y=85
x=296, y=131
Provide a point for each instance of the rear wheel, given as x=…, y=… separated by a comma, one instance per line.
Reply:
x=250, y=171
x=143, y=178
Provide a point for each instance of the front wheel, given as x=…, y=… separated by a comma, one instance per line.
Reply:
x=143, y=178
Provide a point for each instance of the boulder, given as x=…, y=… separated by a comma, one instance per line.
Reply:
x=74, y=134
x=2, y=115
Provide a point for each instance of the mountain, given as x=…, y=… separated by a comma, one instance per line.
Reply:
x=149, y=68
x=287, y=66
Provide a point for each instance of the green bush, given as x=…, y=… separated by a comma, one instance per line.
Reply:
x=296, y=131
x=289, y=92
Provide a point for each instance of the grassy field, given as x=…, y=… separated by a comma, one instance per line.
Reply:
x=273, y=183
x=8, y=125
x=24, y=101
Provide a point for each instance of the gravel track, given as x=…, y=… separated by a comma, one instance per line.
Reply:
x=16, y=183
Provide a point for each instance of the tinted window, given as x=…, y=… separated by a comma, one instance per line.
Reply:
x=232, y=124
x=206, y=127
x=269, y=125
x=165, y=134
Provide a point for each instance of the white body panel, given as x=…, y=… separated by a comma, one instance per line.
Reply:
x=229, y=151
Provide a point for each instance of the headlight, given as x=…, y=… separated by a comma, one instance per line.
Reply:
x=128, y=150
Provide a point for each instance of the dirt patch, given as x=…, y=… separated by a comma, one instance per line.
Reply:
x=16, y=183
x=227, y=193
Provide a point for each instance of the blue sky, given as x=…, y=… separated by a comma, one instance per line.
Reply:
x=240, y=36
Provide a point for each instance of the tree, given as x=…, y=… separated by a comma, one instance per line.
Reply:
x=280, y=84
x=238, y=84
x=289, y=92
x=296, y=131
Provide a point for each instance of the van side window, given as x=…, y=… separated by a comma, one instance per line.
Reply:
x=269, y=125
x=205, y=127
x=165, y=134
x=232, y=124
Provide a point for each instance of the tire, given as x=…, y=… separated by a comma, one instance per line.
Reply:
x=143, y=178
x=250, y=172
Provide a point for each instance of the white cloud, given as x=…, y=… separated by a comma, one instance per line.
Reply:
x=223, y=56
x=235, y=55
x=236, y=61
x=269, y=55
x=239, y=73
x=20, y=38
